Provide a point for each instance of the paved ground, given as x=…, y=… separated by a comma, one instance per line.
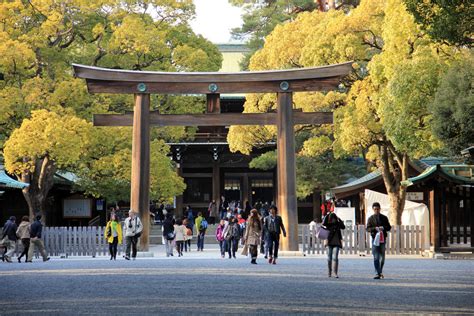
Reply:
x=201, y=284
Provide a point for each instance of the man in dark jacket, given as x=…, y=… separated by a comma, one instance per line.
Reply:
x=9, y=238
x=378, y=223
x=273, y=227
x=35, y=234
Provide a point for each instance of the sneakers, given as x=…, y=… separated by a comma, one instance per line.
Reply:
x=270, y=261
x=127, y=258
x=8, y=259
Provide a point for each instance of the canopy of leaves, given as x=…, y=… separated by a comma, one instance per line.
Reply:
x=453, y=107
x=40, y=39
x=445, y=21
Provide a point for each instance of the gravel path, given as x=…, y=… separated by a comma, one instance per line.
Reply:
x=175, y=286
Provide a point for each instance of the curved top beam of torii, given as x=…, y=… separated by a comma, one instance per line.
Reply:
x=104, y=80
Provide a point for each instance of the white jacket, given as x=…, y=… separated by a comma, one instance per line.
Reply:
x=136, y=226
x=180, y=231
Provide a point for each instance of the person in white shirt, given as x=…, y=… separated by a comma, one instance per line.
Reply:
x=312, y=231
x=133, y=230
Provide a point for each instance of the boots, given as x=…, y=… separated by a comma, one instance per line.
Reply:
x=254, y=261
x=329, y=268
x=335, y=267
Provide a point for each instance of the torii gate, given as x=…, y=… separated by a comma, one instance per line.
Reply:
x=282, y=82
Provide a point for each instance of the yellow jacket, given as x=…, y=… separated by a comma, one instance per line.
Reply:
x=119, y=232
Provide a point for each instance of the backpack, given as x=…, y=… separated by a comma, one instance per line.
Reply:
x=235, y=231
x=203, y=225
x=189, y=232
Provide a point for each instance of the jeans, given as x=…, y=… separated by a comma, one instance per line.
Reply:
x=200, y=242
x=113, y=248
x=333, y=253
x=131, y=241
x=223, y=213
x=223, y=246
x=379, y=257
x=169, y=247
x=273, y=242
x=232, y=245
x=9, y=246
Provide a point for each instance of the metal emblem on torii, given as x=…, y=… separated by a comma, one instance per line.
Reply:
x=212, y=84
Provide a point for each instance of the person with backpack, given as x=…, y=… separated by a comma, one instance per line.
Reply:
x=334, y=224
x=220, y=237
x=189, y=234
x=113, y=235
x=9, y=238
x=133, y=230
x=232, y=237
x=273, y=227
x=201, y=227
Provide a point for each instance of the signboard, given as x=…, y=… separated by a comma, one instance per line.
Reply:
x=347, y=214
x=414, y=196
x=77, y=208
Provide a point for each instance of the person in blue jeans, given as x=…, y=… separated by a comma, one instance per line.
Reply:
x=378, y=223
x=334, y=224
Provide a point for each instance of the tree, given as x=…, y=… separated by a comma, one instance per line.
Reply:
x=40, y=39
x=452, y=108
x=39, y=147
x=445, y=21
x=383, y=111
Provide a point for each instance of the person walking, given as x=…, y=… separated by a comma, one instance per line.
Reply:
x=23, y=233
x=253, y=233
x=223, y=207
x=180, y=232
x=36, y=230
x=133, y=230
x=213, y=212
x=113, y=235
x=312, y=231
x=189, y=234
x=232, y=236
x=169, y=234
x=273, y=226
x=220, y=237
x=201, y=227
x=334, y=224
x=9, y=238
x=378, y=225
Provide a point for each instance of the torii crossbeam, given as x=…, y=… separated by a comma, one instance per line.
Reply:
x=282, y=82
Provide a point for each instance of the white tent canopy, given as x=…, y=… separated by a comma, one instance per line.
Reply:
x=413, y=213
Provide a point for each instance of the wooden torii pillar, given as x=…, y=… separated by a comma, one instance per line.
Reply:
x=282, y=82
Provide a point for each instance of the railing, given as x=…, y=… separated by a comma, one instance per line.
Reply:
x=95, y=221
x=75, y=241
x=401, y=240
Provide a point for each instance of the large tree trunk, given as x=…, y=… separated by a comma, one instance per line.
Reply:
x=394, y=170
x=41, y=182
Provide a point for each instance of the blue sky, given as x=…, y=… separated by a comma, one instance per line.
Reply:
x=215, y=19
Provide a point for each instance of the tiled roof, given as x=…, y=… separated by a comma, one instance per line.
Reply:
x=7, y=182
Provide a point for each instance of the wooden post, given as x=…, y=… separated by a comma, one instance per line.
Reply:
x=140, y=186
x=216, y=187
x=286, y=169
x=434, y=219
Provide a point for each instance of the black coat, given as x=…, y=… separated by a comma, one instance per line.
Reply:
x=279, y=227
x=36, y=229
x=9, y=229
x=168, y=226
x=382, y=221
x=334, y=226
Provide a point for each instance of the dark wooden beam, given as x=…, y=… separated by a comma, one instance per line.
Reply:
x=105, y=74
x=128, y=87
x=222, y=119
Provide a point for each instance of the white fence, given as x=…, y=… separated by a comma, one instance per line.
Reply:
x=75, y=241
x=401, y=240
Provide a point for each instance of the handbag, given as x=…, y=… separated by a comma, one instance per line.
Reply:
x=322, y=233
x=245, y=250
x=170, y=236
x=377, y=239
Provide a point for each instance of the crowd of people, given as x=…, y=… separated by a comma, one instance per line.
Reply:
x=256, y=229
